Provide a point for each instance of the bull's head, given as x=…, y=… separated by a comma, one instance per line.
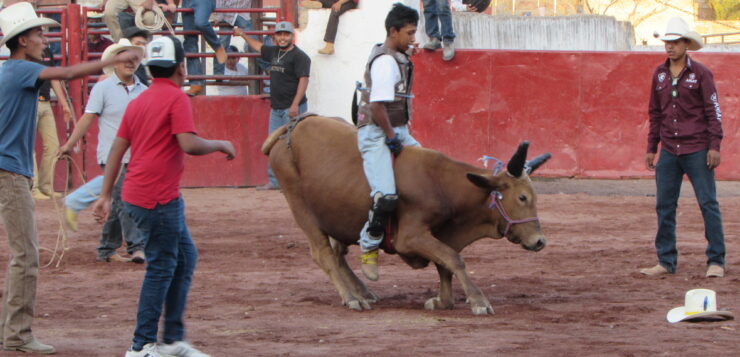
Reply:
x=513, y=200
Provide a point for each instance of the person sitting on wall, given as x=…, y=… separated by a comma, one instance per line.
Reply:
x=338, y=7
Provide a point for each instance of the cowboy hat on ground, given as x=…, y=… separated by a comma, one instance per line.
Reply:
x=677, y=28
x=19, y=17
x=116, y=48
x=699, y=304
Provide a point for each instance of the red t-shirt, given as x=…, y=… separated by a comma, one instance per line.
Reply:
x=150, y=124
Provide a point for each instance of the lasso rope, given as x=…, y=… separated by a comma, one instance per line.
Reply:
x=62, y=242
x=159, y=20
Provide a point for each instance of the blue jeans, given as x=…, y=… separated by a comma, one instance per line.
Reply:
x=278, y=118
x=437, y=12
x=85, y=195
x=119, y=226
x=171, y=257
x=668, y=178
x=242, y=23
x=378, y=165
x=198, y=20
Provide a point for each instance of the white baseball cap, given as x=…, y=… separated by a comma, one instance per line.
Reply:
x=165, y=51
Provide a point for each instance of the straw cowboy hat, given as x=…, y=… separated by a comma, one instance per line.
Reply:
x=94, y=15
x=20, y=17
x=114, y=49
x=699, y=304
x=678, y=28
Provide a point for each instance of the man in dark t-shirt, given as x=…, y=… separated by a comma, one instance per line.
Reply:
x=289, y=70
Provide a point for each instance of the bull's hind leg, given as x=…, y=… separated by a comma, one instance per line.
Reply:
x=356, y=285
x=445, y=299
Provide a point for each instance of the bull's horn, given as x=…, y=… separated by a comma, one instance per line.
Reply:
x=516, y=164
x=533, y=164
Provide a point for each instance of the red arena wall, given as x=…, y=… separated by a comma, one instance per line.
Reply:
x=589, y=109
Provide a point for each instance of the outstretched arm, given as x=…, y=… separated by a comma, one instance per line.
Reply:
x=253, y=43
x=87, y=68
x=194, y=145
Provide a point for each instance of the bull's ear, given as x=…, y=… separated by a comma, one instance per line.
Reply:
x=537, y=162
x=486, y=182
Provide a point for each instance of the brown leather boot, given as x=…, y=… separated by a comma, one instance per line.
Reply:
x=328, y=49
x=310, y=4
x=194, y=90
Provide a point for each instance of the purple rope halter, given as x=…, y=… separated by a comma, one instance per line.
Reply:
x=496, y=202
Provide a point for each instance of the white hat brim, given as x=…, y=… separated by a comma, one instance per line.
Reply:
x=679, y=314
x=108, y=70
x=695, y=42
x=41, y=21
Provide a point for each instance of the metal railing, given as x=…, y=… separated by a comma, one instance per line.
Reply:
x=735, y=38
x=88, y=30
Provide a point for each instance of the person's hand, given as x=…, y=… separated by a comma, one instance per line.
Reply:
x=336, y=6
x=67, y=113
x=712, y=159
x=64, y=150
x=171, y=8
x=101, y=208
x=293, y=111
x=650, y=161
x=132, y=56
x=472, y=8
x=238, y=32
x=394, y=144
x=228, y=148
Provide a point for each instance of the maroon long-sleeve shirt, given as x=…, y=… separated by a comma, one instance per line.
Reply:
x=690, y=121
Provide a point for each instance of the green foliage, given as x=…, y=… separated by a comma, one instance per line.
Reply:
x=726, y=9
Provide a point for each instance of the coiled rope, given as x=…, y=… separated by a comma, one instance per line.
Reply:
x=159, y=20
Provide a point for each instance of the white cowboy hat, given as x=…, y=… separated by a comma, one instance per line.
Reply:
x=94, y=15
x=20, y=17
x=114, y=49
x=678, y=28
x=699, y=304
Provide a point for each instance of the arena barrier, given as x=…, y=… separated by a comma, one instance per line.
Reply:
x=589, y=109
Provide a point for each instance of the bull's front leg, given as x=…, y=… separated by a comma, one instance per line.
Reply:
x=445, y=300
x=421, y=242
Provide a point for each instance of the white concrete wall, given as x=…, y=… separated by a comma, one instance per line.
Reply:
x=333, y=77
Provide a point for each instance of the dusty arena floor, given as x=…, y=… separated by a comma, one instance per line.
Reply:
x=258, y=293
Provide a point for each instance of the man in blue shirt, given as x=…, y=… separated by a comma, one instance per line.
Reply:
x=20, y=78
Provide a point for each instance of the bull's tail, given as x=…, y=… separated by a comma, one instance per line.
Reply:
x=272, y=139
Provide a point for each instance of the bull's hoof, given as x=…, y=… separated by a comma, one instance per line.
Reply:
x=482, y=310
x=436, y=303
x=358, y=305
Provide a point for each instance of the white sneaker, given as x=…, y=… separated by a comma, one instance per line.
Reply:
x=181, y=349
x=149, y=350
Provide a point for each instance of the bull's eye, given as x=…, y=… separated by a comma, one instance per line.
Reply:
x=523, y=198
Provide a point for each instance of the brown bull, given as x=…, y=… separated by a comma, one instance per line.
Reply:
x=444, y=206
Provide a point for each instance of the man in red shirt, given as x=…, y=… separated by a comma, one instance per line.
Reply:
x=685, y=118
x=158, y=127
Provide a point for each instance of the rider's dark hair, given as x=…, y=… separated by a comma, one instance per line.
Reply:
x=400, y=16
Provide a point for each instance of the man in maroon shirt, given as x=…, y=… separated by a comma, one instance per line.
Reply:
x=685, y=118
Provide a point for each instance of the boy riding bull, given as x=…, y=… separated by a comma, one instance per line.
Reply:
x=21, y=77
x=384, y=114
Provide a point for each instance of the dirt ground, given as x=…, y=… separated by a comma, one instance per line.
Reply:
x=258, y=293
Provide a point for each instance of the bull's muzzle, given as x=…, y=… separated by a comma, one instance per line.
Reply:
x=538, y=245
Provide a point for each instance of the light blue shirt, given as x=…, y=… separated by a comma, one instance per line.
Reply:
x=19, y=91
x=109, y=100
